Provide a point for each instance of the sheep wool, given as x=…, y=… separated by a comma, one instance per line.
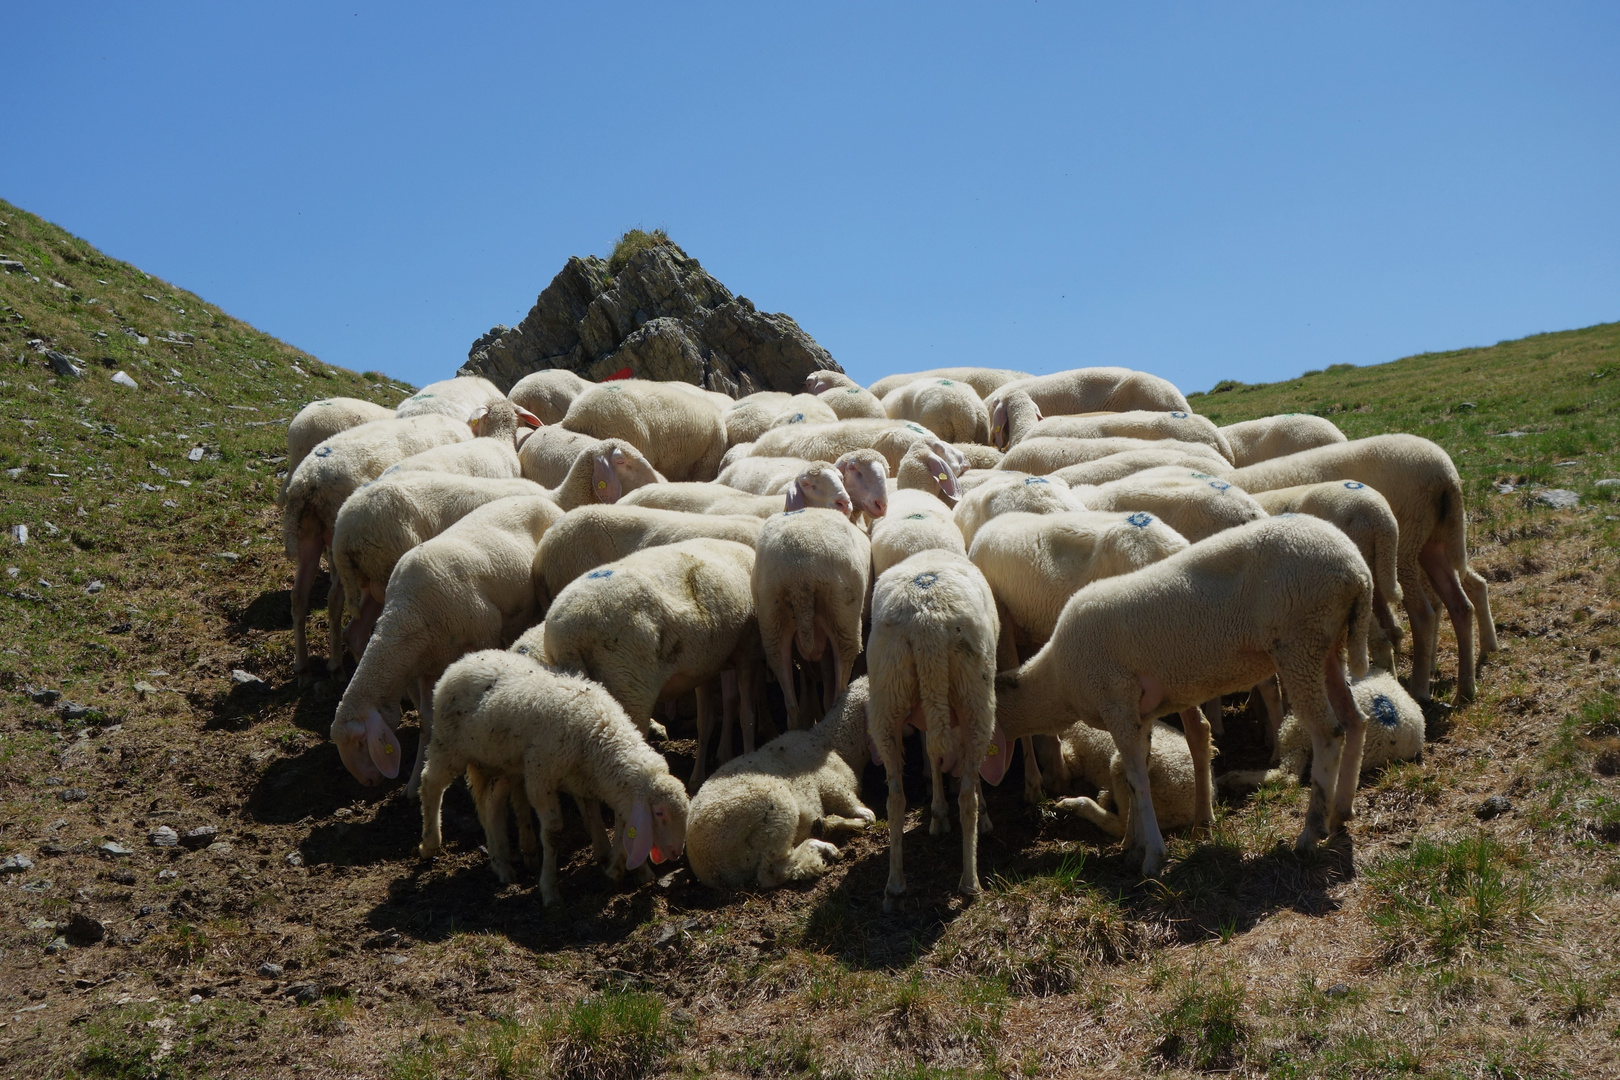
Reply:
x=951, y=409
x=1195, y=504
x=593, y=536
x=547, y=394
x=458, y=398
x=319, y=421
x=1259, y=440
x=1091, y=755
x=1179, y=425
x=984, y=381
x=1086, y=390
x=679, y=432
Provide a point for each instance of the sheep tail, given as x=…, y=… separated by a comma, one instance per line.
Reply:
x=933, y=668
x=1360, y=626
x=801, y=600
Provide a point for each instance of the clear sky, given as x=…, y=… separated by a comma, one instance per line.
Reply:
x=1200, y=190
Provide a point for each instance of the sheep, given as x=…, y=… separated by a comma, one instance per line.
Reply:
x=1091, y=755
x=761, y=475
x=1181, y=426
x=916, y=521
x=847, y=398
x=751, y=416
x=469, y=588
x=750, y=822
x=547, y=394
x=604, y=473
x=704, y=498
x=978, y=455
x=1050, y=454
x=1425, y=493
x=925, y=467
x=320, y=420
x=681, y=433
x=1084, y=390
x=1275, y=436
x=386, y=518
x=546, y=456
x=1129, y=462
x=803, y=409
x=931, y=663
x=818, y=484
x=317, y=489
x=593, y=536
x=809, y=586
x=662, y=622
x=492, y=454
x=1395, y=732
x=953, y=410
x=506, y=714
x=1277, y=595
x=1008, y=492
x=1195, y=504
x=984, y=381
x=459, y=398
x=829, y=442
x=1365, y=517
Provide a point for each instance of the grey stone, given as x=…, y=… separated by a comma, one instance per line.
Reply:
x=228, y=556
x=73, y=794
x=195, y=453
x=200, y=837
x=11, y=266
x=1564, y=464
x=662, y=316
x=1494, y=806
x=57, y=945
x=16, y=864
x=42, y=696
x=1558, y=499
x=74, y=710
x=94, y=587
x=163, y=837
x=38, y=885
x=220, y=847
x=294, y=859
x=19, y=534
x=1337, y=990
x=304, y=993
x=1511, y=434
x=122, y=378
x=1466, y=405
x=1612, y=481
x=167, y=875
x=69, y=367
x=1505, y=489
x=247, y=678
x=268, y=970
x=112, y=849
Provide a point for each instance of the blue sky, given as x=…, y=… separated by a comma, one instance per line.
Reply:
x=1202, y=191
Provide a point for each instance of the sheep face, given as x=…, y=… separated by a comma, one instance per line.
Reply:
x=819, y=382
x=368, y=746
x=865, y=476
x=819, y=485
x=657, y=825
x=617, y=472
x=955, y=458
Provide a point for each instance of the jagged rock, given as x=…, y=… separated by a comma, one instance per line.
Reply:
x=69, y=367
x=663, y=317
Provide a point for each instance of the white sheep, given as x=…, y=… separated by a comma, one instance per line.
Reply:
x=1181, y=426
x=468, y=588
x=662, y=622
x=1091, y=755
x=546, y=456
x=1011, y=492
x=750, y=416
x=1195, y=504
x=844, y=396
x=704, y=498
x=809, y=586
x=1129, y=462
x=492, y=454
x=829, y=442
x=313, y=494
x=1395, y=732
x=320, y=420
x=916, y=521
x=931, y=664
x=1085, y=390
x=506, y=714
x=593, y=536
x=459, y=398
x=953, y=410
x=1259, y=440
x=929, y=467
x=978, y=455
x=1425, y=493
x=803, y=409
x=984, y=381
x=761, y=475
x=818, y=484
x=680, y=432
x=605, y=473
x=1279, y=595
x=750, y=823
x=1052, y=454
x=547, y=394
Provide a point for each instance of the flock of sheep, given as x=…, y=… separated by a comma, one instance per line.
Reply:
x=1055, y=562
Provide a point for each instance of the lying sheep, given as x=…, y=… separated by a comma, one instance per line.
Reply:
x=1010, y=492
x=468, y=588
x=847, y=398
x=660, y=623
x=1045, y=456
x=546, y=456
x=829, y=442
x=916, y=521
x=1181, y=426
x=459, y=398
x=984, y=381
x=320, y=420
x=952, y=410
x=751, y=416
x=1278, y=595
x=386, y=518
x=1269, y=437
x=593, y=536
x=680, y=433
x=1425, y=493
x=704, y=498
x=750, y=823
x=331, y=472
x=547, y=394
x=931, y=664
x=1195, y=504
x=1395, y=732
x=803, y=409
x=1091, y=755
x=506, y=714
x=493, y=453
x=809, y=588
x=1085, y=390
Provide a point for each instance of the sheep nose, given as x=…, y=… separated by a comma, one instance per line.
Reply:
x=880, y=507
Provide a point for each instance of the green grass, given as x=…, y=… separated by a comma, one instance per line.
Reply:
x=1451, y=898
x=633, y=241
x=1204, y=1027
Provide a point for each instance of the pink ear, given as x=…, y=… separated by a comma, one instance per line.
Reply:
x=998, y=424
x=994, y=765
x=795, y=497
x=638, y=835
x=527, y=418
x=383, y=745
x=476, y=422
x=605, y=479
x=943, y=476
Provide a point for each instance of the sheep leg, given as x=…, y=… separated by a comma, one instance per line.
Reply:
x=1049, y=752
x=1438, y=566
x=1307, y=692
x=591, y=811
x=309, y=564
x=1108, y=822
x=831, y=684
x=1132, y=733
x=358, y=634
x=528, y=839
x=491, y=797
x=1212, y=713
x=435, y=778
x=968, y=806
x=1425, y=630
x=1199, y=744
x=728, y=712
x=885, y=734
x=939, y=814
x=706, y=695
x=785, y=674
x=750, y=687
x=551, y=827
x=1479, y=595
x=1354, y=724
x=334, y=627
x=1033, y=795
x=1269, y=696
x=424, y=709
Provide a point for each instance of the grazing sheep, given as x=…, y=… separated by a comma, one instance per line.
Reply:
x=984, y=381
x=1010, y=492
x=809, y=585
x=953, y=410
x=317, y=489
x=916, y=521
x=1395, y=728
x=750, y=822
x=1091, y=755
x=386, y=518
x=547, y=394
x=1128, y=463
x=660, y=623
x=1181, y=426
x=931, y=663
x=593, y=536
x=1277, y=595
x=546, y=456
x=460, y=398
x=320, y=420
x=1425, y=493
x=1275, y=436
x=492, y=454
x=1365, y=517
x=504, y=714
x=751, y=416
x=680, y=432
x=704, y=498
x=1085, y=390
x=803, y=409
x=1195, y=504
x=829, y=442
x=1052, y=454
x=467, y=588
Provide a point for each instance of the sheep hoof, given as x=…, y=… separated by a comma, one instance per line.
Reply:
x=1033, y=795
x=969, y=887
x=939, y=824
x=504, y=872
x=656, y=732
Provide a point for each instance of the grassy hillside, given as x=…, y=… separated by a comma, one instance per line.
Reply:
x=307, y=937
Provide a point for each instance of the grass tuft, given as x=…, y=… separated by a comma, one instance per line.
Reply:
x=631, y=243
x=1450, y=899
x=1204, y=1026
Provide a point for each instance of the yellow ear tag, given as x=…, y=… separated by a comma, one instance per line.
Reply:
x=601, y=484
x=991, y=750
x=630, y=832
x=388, y=749
x=940, y=478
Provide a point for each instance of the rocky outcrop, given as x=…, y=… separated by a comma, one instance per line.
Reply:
x=662, y=316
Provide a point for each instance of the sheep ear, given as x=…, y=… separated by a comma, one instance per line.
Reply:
x=638, y=835
x=383, y=745
x=998, y=424
x=476, y=421
x=605, y=480
x=994, y=765
x=944, y=476
x=527, y=418
x=795, y=497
